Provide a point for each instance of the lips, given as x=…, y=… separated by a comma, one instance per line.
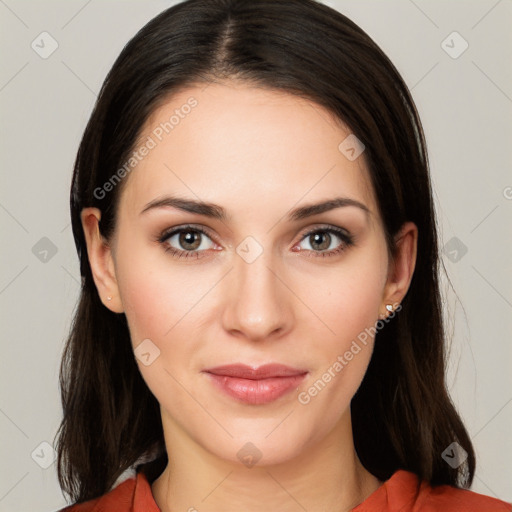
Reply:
x=256, y=385
x=266, y=371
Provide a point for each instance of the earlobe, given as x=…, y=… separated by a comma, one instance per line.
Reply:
x=101, y=261
x=402, y=267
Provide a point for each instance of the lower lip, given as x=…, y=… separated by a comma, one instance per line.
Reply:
x=256, y=392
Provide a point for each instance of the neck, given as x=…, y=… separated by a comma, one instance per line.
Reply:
x=326, y=476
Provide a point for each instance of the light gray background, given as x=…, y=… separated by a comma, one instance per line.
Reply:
x=466, y=107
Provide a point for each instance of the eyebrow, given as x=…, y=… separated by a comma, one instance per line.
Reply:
x=218, y=212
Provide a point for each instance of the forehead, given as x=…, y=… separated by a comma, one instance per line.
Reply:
x=244, y=147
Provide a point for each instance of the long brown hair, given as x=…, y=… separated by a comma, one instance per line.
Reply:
x=402, y=415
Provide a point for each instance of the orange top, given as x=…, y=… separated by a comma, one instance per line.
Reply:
x=397, y=493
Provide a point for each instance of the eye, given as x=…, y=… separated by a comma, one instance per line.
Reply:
x=322, y=241
x=192, y=241
x=186, y=241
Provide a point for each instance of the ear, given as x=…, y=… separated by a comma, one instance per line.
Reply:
x=401, y=269
x=101, y=260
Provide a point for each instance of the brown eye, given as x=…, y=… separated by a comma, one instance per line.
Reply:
x=186, y=241
x=321, y=240
x=327, y=241
x=189, y=240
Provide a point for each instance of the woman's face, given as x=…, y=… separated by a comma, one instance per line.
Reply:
x=260, y=285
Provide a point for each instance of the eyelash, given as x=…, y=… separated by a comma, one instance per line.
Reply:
x=347, y=241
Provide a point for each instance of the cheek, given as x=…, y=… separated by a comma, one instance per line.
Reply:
x=156, y=295
x=147, y=307
x=347, y=308
x=348, y=301
x=159, y=307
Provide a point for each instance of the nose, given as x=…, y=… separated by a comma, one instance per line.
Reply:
x=258, y=303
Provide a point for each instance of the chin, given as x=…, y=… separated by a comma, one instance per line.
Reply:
x=259, y=445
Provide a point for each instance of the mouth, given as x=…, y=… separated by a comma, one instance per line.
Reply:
x=255, y=386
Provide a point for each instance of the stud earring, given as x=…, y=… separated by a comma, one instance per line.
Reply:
x=389, y=307
x=109, y=298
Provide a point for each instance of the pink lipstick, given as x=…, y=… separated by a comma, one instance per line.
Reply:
x=256, y=385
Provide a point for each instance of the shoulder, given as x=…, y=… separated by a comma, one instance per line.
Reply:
x=404, y=492
x=447, y=498
x=120, y=499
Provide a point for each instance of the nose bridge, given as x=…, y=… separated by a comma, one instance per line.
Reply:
x=258, y=306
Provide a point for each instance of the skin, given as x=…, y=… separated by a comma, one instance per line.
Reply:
x=257, y=153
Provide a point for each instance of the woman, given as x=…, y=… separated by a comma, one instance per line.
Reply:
x=259, y=325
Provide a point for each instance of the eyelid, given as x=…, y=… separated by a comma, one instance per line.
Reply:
x=327, y=227
x=167, y=233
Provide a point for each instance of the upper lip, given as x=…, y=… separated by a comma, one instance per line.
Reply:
x=266, y=371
